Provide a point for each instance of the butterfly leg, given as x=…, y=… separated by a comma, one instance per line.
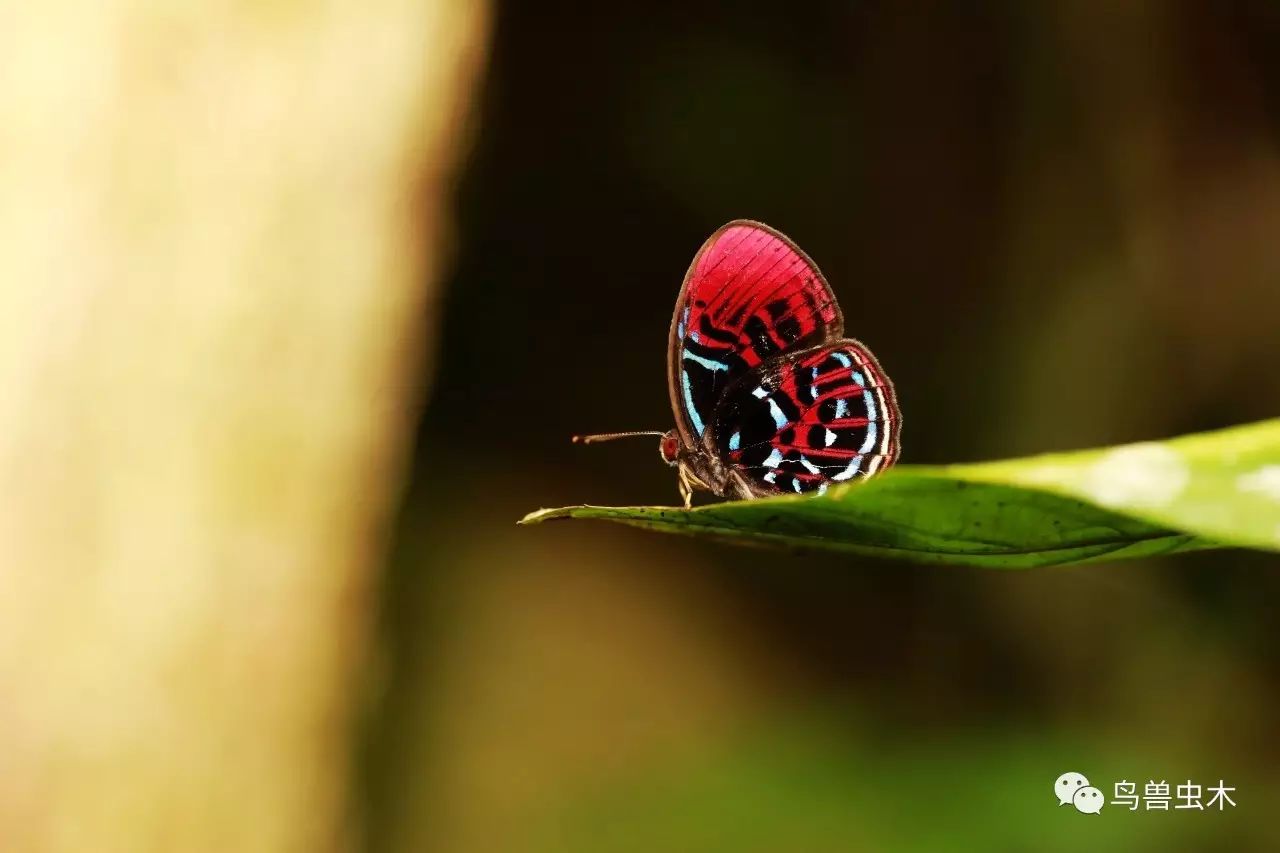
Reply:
x=686, y=488
x=740, y=486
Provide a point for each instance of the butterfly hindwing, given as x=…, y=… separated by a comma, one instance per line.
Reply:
x=800, y=423
x=750, y=296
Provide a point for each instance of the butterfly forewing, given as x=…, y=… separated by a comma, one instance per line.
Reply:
x=805, y=421
x=750, y=297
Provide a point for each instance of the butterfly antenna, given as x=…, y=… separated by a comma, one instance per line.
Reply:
x=610, y=436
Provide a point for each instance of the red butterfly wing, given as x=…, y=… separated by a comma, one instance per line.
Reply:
x=825, y=415
x=750, y=295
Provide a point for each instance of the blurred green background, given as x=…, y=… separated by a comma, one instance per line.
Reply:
x=1057, y=225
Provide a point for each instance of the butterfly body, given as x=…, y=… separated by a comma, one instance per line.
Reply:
x=769, y=397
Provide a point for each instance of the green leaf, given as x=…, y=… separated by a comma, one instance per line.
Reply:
x=1200, y=491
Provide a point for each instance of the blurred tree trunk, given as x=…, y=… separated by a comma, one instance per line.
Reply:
x=217, y=226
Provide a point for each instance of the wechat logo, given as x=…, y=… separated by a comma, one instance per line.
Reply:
x=1072, y=789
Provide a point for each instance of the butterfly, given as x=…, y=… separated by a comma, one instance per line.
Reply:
x=769, y=396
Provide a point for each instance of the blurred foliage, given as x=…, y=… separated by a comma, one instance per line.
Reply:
x=820, y=782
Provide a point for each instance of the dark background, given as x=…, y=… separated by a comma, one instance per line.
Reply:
x=1056, y=224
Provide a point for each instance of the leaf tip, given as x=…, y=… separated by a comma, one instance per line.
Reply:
x=533, y=517
x=540, y=515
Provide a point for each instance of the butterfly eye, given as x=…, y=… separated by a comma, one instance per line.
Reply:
x=669, y=447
